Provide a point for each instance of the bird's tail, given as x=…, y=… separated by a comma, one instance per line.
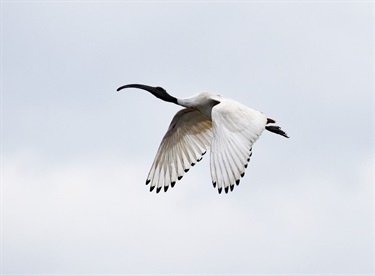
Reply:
x=275, y=129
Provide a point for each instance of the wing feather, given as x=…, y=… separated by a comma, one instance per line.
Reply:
x=188, y=138
x=235, y=129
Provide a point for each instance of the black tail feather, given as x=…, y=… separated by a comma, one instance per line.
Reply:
x=270, y=121
x=277, y=130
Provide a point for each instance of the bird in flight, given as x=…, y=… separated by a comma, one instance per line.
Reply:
x=207, y=121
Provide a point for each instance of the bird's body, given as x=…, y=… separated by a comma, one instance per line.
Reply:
x=208, y=121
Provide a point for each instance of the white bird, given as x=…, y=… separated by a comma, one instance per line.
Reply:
x=227, y=127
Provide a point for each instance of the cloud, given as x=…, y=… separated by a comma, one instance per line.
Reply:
x=97, y=216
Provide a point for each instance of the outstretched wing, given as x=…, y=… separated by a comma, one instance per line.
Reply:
x=186, y=141
x=235, y=129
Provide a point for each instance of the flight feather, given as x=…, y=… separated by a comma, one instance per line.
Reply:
x=186, y=141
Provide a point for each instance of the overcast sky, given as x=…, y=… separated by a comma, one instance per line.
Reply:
x=75, y=153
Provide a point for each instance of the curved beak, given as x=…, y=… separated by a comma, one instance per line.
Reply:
x=139, y=86
x=156, y=91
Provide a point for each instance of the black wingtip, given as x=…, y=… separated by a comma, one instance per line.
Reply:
x=214, y=184
x=158, y=189
x=231, y=188
x=179, y=178
x=226, y=189
x=148, y=181
x=219, y=190
x=237, y=182
x=166, y=188
x=152, y=188
x=173, y=183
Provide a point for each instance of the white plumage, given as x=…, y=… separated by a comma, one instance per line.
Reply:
x=208, y=121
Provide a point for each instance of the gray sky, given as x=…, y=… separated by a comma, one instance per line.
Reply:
x=76, y=153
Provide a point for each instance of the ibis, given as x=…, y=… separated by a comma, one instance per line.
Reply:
x=226, y=127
